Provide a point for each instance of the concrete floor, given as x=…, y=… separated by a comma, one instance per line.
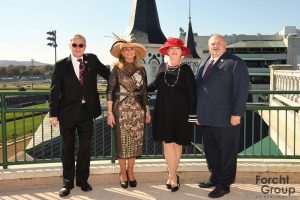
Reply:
x=18, y=183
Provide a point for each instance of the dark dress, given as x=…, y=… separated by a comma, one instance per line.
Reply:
x=175, y=101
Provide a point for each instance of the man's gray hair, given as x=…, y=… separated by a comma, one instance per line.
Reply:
x=78, y=36
x=217, y=35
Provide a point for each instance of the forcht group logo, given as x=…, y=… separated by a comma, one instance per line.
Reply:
x=274, y=186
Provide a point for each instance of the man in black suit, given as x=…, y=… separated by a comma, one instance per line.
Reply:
x=74, y=102
x=222, y=91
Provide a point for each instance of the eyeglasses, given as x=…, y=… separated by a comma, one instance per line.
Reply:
x=77, y=45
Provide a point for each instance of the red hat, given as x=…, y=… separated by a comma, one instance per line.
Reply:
x=174, y=42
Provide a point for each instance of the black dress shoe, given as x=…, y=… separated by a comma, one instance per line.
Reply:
x=65, y=191
x=84, y=186
x=219, y=191
x=206, y=184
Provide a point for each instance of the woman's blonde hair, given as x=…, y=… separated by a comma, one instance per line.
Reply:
x=121, y=62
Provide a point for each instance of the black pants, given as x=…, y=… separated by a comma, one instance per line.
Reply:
x=84, y=127
x=221, y=146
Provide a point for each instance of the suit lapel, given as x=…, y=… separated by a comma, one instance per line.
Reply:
x=70, y=66
x=200, y=71
x=215, y=68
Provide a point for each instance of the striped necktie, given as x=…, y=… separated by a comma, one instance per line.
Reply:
x=81, y=71
x=208, y=68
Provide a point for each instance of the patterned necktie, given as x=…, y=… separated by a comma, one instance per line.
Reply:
x=208, y=68
x=81, y=71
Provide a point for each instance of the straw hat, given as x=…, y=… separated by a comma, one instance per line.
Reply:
x=129, y=42
x=174, y=42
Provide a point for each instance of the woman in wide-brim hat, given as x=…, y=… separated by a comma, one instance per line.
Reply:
x=127, y=105
x=116, y=49
x=176, y=100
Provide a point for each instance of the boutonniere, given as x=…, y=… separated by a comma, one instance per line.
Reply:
x=86, y=67
x=222, y=60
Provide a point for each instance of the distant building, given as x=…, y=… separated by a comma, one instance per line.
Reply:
x=260, y=50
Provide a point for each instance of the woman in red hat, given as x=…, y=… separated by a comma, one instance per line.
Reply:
x=176, y=101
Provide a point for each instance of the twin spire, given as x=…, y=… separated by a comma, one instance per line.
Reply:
x=144, y=25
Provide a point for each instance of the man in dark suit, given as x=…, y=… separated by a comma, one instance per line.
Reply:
x=222, y=91
x=74, y=102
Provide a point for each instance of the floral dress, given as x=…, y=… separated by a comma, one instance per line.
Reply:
x=128, y=91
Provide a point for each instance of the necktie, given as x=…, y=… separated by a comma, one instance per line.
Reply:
x=81, y=71
x=208, y=68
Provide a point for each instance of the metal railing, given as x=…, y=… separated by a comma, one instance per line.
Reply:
x=27, y=137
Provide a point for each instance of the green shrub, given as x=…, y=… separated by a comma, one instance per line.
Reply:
x=22, y=89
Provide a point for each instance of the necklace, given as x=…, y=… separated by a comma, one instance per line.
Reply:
x=172, y=70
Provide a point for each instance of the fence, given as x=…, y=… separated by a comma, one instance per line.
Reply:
x=27, y=137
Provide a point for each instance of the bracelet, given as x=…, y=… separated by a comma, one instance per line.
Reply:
x=147, y=109
x=109, y=112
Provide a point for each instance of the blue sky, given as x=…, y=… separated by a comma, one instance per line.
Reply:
x=24, y=23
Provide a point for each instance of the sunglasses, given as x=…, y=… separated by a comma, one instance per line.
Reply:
x=77, y=45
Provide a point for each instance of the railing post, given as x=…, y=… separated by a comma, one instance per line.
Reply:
x=3, y=124
x=113, y=146
x=273, y=80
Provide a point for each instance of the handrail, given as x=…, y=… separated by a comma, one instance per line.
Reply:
x=250, y=107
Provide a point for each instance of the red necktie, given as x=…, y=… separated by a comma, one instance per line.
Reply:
x=81, y=71
x=208, y=68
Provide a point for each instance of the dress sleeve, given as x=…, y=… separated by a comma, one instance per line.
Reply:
x=111, y=87
x=145, y=92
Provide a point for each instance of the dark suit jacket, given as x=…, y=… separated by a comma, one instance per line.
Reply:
x=65, y=99
x=223, y=92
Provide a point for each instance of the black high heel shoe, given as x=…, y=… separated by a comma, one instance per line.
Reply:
x=124, y=184
x=174, y=189
x=168, y=185
x=131, y=183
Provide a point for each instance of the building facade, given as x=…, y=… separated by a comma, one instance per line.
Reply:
x=260, y=50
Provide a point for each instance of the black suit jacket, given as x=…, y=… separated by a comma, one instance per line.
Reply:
x=65, y=99
x=223, y=92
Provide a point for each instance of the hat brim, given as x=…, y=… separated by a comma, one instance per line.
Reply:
x=164, y=50
x=116, y=50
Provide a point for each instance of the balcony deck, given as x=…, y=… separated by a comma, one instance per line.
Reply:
x=43, y=181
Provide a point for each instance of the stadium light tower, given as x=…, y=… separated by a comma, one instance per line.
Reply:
x=52, y=39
